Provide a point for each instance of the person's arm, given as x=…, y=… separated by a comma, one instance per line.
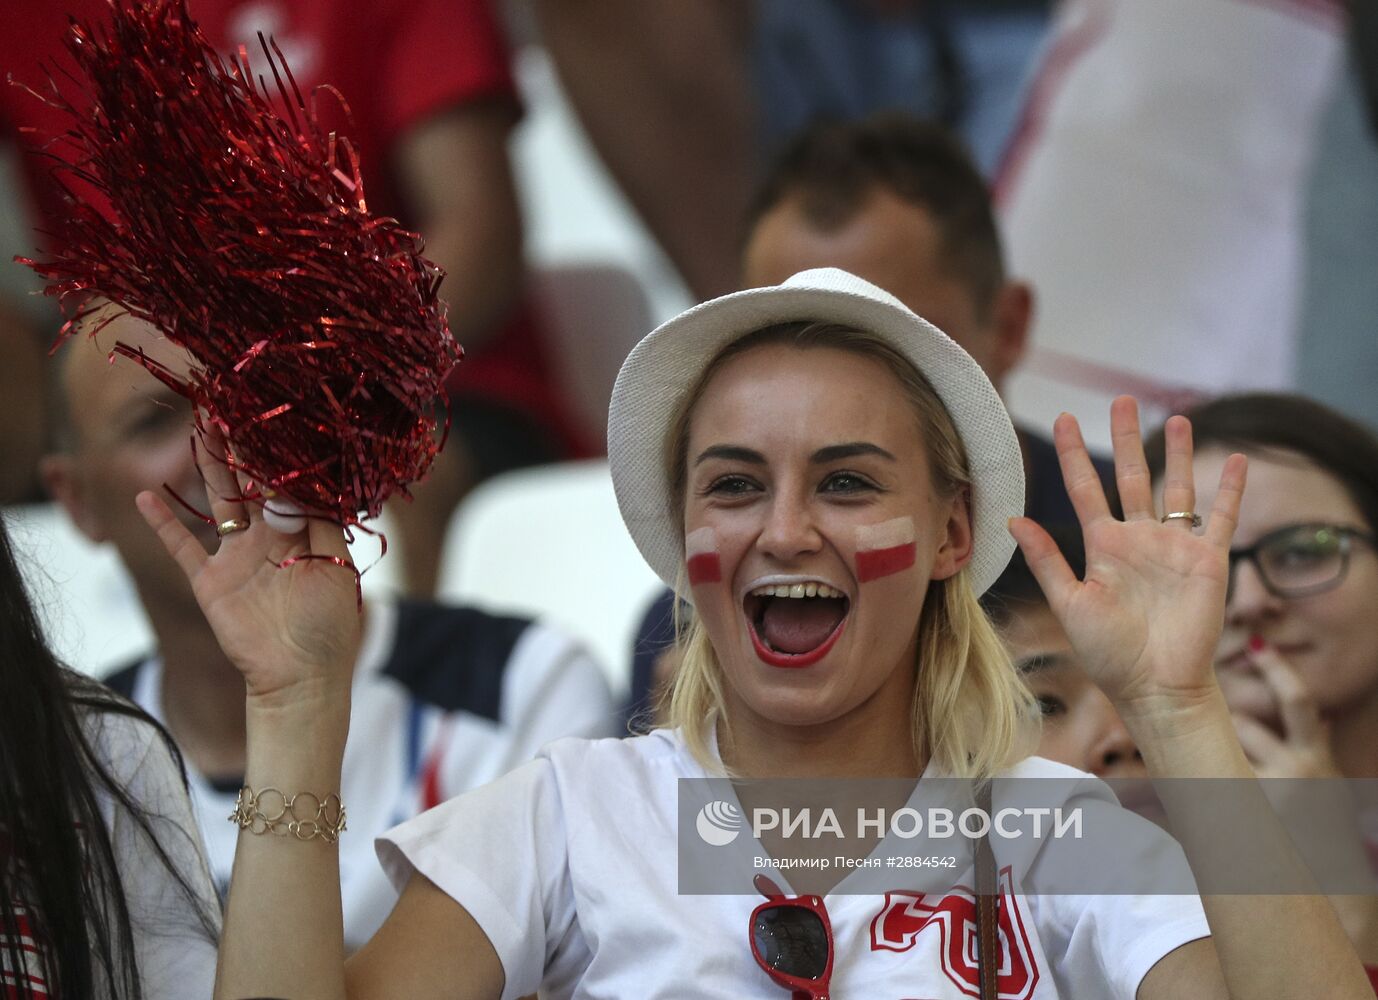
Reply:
x=457, y=179
x=458, y=182
x=664, y=93
x=1145, y=621
x=293, y=633
x=429, y=947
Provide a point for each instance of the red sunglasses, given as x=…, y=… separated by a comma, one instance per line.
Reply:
x=792, y=941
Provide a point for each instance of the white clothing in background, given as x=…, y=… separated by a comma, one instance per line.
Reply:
x=1153, y=195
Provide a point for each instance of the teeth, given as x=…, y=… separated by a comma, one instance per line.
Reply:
x=796, y=590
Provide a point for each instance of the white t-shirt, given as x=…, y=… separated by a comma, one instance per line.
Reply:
x=444, y=699
x=174, y=950
x=570, y=866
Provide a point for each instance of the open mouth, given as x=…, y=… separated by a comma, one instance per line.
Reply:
x=795, y=624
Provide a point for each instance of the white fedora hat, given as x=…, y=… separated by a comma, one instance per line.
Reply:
x=665, y=366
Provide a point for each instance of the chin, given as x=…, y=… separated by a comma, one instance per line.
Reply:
x=782, y=697
x=795, y=709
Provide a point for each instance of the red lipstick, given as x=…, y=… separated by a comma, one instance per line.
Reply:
x=778, y=659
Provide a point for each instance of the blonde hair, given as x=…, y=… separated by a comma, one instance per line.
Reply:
x=972, y=714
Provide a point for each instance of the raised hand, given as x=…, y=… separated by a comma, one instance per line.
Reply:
x=289, y=628
x=1146, y=618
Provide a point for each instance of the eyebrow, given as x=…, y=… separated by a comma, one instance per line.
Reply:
x=830, y=453
x=1039, y=663
x=851, y=449
x=732, y=453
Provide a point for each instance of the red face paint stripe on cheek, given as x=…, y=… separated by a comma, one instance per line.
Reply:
x=705, y=567
x=885, y=548
x=701, y=561
x=877, y=563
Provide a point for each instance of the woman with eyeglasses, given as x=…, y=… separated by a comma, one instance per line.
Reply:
x=1298, y=657
x=831, y=482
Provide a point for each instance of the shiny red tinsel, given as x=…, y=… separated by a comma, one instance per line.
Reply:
x=317, y=340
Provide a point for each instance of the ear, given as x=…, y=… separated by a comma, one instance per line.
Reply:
x=1013, y=315
x=956, y=548
x=65, y=485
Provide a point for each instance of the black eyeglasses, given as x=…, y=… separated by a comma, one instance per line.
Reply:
x=1298, y=560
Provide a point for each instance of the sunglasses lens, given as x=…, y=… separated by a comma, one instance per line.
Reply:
x=792, y=940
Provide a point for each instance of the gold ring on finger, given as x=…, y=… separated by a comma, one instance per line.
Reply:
x=231, y=526
x=1183, y=515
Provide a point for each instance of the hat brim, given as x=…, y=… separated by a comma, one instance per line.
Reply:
x=669, y=362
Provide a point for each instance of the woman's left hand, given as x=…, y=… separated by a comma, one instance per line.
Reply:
x=283, y=607
x=1146, y=619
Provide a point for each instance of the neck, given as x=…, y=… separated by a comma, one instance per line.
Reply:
x=202, y=690
x=1351, y=738
x=870, y=741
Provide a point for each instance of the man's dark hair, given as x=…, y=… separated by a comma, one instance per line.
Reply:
x=832, y=167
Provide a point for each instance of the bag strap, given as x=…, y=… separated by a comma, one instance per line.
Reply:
x=987, y=908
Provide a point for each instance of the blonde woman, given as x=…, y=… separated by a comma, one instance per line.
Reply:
x=834, y=482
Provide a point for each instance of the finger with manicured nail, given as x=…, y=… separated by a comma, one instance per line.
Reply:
x=282, y=515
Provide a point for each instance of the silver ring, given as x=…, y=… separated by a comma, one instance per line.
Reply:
x=1183, y=515
x=231, y=526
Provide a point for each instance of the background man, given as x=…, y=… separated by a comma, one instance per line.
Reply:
x=445, y=698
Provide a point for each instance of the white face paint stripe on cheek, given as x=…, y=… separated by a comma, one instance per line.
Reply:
x=701, y=557
x=885, y=548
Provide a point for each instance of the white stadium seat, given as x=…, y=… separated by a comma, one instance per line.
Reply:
x=549, y=542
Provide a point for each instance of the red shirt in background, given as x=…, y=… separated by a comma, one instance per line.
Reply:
x=396, y=62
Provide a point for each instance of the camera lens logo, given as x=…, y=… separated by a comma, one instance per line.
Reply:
x=719, y=823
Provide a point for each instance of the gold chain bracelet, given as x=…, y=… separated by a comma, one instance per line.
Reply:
x=305, y=816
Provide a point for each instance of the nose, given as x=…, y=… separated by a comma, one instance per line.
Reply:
x=1249, y=602
x=789, y=530
x=1113, y=752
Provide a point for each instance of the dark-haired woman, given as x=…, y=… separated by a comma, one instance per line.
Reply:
x=103, y=889
x=1298, y=658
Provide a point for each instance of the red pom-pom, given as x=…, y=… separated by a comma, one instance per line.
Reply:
x=317, y=340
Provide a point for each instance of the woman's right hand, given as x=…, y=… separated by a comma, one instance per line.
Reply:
x=1299, y=747
x=284, y=612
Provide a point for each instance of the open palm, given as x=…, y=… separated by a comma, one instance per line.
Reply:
x=1146, y=618
x=283, y=607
